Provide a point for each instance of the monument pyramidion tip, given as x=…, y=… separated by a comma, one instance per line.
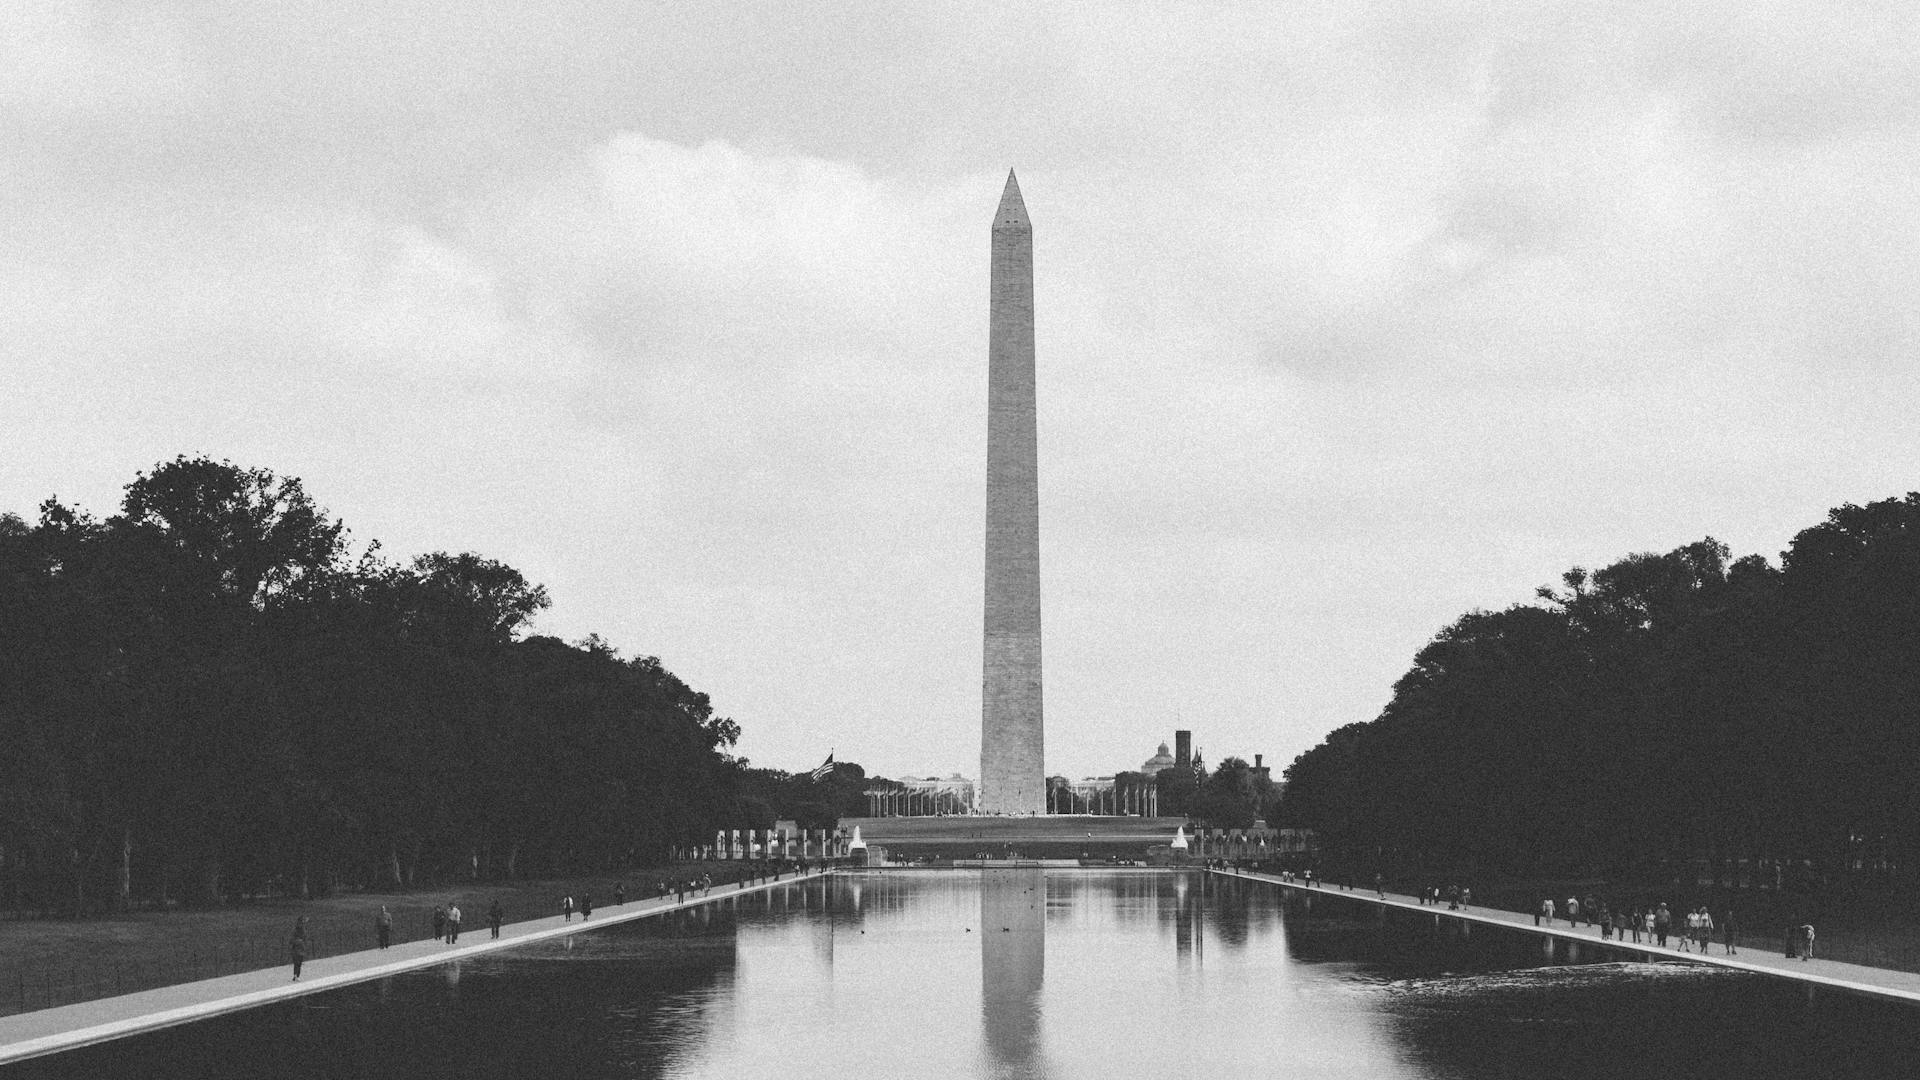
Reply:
x=1013, y=211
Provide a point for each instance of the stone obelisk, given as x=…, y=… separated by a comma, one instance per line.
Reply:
x=1012, y=773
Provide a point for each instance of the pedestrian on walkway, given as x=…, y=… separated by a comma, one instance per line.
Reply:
x=1706, y=928
x=1380, y=885
x=298, y=946
x=383, y=926
x=706, y=884
x=1691, y=932
x=1646, y=924
x=1466, y=896
x=1662, y=922
x=586, y=906
x=1806, y=941
x=1726, y=929
x=566, y=908
x=1590, y=908
x=453, y=924
x=439, y=922
x=494, y=918
x=1573, y=911
x=1606, y=921
x=1546, y=911
x=619, y=893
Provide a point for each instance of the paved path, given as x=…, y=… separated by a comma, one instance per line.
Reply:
x=47, y=1031
x=1880, y=982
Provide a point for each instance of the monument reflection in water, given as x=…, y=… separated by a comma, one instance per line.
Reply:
x=1013, y=969
x=1021, y=974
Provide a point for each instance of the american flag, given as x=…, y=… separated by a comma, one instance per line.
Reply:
x=825, y=770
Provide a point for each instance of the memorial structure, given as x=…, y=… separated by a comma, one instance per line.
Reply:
x=1012, y=773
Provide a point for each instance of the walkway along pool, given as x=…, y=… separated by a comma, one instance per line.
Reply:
x=1039, y=973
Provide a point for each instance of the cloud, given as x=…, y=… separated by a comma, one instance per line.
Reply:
x=1350, y=318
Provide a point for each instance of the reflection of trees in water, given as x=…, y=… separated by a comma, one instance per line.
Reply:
x=1599, y=1021
x=605, y=1003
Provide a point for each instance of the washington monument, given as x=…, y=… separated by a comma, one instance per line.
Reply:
x=1012, y=773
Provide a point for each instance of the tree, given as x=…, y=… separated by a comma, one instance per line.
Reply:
x=204, y=688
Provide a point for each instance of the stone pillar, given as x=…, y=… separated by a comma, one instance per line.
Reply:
x=1012, y=770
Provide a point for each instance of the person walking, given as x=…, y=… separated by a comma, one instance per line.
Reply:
x=298, y=946
x=1573, y=911
x=1380, y=885
x=619, y=893
x=1662, y=922
x=383, y=926
x=1806, y=941
x=1706, y=928
x=1692, y=931
x=1545, y=912
x=453, y=924
x=439, y=922
x=1726, y=931
x=1590, y=908
x=706, y=884
x=586, y=906
x=1466, y=896
x=1646, y=924
x=566, y=908
x=494, y=917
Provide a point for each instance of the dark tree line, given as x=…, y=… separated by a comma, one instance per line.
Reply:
x=206, y=694
x=770, y=795
x=1676, y=714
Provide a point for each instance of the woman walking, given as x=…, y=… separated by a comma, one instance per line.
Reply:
x=298, y=946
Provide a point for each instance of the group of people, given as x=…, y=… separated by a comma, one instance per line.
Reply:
x=448, y=917
x=1458, y=897
x=1689, y=931
x=446, y=922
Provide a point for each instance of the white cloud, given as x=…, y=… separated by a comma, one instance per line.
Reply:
x=1350, y=317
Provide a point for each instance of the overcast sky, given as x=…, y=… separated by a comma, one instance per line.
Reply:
x=1351, y=318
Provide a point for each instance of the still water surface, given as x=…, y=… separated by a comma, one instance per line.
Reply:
x=1029, y=973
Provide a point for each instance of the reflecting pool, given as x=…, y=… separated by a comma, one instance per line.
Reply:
x=1032, y=973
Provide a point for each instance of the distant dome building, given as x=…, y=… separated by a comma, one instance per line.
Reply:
x=1161, y=760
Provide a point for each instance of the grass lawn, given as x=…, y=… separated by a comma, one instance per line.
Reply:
x=47, y=962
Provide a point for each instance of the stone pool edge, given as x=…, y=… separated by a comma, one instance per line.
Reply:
x=1885, y=983
x=27, y=1035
